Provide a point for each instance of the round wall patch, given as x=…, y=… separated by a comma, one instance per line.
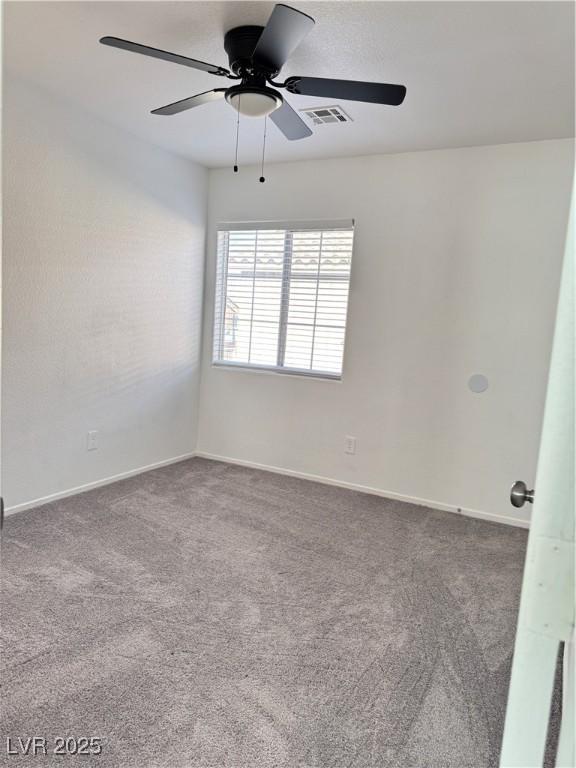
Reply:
x=478, y=383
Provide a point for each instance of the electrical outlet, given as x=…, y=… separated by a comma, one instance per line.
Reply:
x=350, y=444
x=92, y=440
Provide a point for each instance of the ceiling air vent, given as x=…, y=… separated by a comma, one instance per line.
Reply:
x=327, y=115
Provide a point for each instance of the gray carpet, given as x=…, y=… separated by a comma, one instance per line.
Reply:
x=206, y=615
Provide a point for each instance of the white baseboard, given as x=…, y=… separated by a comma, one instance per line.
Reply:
x=278, y=470
x=96, y=484
x=503, y=519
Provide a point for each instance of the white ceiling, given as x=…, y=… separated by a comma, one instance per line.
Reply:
x=476, y=72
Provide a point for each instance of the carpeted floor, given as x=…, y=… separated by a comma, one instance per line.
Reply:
x=210, y=616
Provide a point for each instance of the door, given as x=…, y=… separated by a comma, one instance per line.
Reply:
x=546, y=616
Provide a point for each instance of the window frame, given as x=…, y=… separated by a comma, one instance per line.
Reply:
x=221, y=274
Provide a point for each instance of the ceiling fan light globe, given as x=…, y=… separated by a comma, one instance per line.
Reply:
x=253, y=103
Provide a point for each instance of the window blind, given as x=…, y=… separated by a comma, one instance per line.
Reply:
x=282, y=296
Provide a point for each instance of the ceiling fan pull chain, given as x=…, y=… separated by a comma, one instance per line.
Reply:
x=237, y=133
x=262, y=179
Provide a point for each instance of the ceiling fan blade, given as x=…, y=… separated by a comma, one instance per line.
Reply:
x=156, y=53
x=189, y=103
x=285, y=30
x=290, y=122
x=352, y=90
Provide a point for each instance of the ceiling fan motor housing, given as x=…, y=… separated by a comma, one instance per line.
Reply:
x=252, y=97
x=239, y=44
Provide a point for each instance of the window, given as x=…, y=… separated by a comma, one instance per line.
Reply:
x=282, y=296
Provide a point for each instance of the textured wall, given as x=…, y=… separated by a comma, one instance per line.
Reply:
x=455, y=272
x=103, y=268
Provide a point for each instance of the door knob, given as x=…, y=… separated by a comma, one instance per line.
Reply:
x=519, y=494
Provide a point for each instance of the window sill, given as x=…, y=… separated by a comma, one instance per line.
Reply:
x=315, y=375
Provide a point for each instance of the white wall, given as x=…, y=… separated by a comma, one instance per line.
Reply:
x=103, y=268
x=455, y=271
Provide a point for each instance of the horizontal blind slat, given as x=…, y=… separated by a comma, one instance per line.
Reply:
x=252, y=227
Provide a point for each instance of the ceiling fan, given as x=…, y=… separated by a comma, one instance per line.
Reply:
x=256, y=55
